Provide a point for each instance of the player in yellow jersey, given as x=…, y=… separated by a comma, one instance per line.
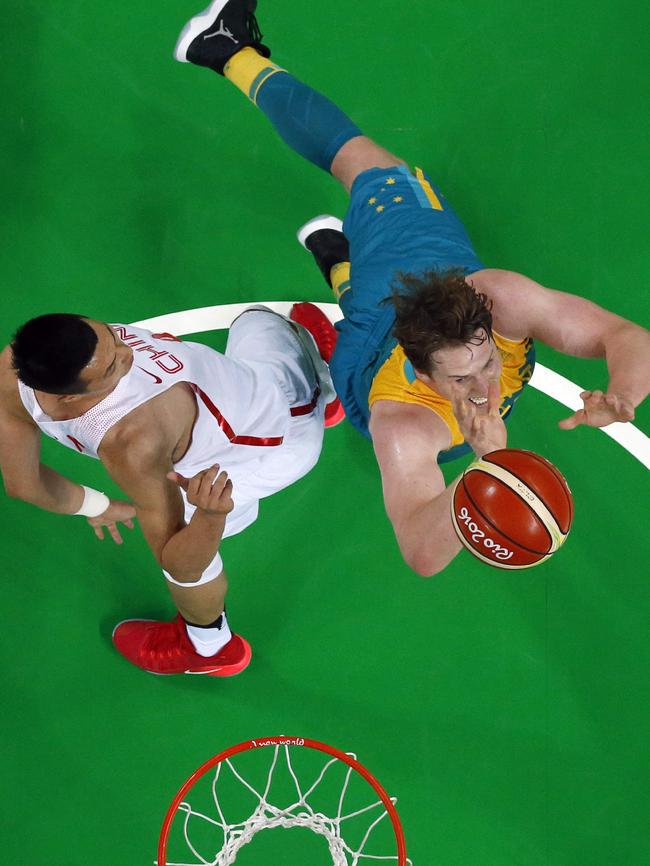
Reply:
x=434, y=347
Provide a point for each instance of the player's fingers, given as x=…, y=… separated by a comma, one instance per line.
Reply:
x=219, y=484
x=128, y=522
x=585, y=394
x=573, y=420
x=114, y=533
x=194, y=486
x=181, y=480
x=206, y=486
x=458, y=402
x=494, y=397
x=596, y=395
x=99, y=532
x=624, y=409
x=221, y=494
x=226, y=496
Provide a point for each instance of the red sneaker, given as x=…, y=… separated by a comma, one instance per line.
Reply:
x=165, y=648
x=324, y=334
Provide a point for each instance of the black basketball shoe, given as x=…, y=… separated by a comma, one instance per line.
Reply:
x=323, y=237
x=212, y=37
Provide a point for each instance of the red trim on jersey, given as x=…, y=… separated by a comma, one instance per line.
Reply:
x=77, y=444
x=227, y=429
x=167, y=336
x=308, y=407
x=149, y=373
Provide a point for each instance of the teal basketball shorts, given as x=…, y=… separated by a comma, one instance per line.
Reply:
x=397, y=221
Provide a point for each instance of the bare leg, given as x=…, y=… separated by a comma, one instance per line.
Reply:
x=201, y=604
x=359, y=154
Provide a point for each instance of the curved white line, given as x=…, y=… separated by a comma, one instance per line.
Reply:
x=545, y=380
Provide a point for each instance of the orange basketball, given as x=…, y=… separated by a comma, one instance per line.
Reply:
x=512, y=508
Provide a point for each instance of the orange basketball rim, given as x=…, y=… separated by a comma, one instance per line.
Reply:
x=280, y=753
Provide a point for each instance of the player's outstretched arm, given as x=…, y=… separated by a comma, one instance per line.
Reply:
x=577, y=327
x=26, y=478
x=407, y=440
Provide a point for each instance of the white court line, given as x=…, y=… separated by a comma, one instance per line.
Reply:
x=544, y=380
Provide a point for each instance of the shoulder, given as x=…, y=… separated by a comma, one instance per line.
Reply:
x=512, y=296
x=138, y=443
x=567, y=322
x=407, y=432
x=10, y=402
x=522, y=307
x=7, y=372
x=145, y=439
x=497, y=283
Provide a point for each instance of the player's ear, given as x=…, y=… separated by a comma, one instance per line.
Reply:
x=423, y=377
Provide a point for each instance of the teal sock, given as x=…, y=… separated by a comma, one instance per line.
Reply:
x=307, y=121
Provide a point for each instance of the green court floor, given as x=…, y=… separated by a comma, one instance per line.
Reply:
x=508, y=712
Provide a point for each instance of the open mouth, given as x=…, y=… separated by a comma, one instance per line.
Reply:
x=478, y=401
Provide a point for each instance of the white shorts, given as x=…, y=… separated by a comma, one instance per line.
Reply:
x=267, y=340
x=264, y=339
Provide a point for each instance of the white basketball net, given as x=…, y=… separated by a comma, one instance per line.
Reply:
x=298, y=813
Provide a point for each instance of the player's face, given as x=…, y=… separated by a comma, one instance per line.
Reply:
x=111, y=360
x=468, y=368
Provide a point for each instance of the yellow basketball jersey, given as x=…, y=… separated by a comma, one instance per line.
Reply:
x=396, y=380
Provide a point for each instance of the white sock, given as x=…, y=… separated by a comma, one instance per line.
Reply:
x=208, y=641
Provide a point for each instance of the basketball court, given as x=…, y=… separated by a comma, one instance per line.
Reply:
x=507, y=711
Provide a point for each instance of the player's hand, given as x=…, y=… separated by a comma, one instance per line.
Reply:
x=117, y=512
x=599, y=410
x=482, y=432
x=209, y=490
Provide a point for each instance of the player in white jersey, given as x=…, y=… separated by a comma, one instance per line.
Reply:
x=194, y=437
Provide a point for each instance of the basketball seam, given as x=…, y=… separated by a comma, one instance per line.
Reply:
x=501, y=564
x=556, y=472
x=556, y=529
x=500, y=531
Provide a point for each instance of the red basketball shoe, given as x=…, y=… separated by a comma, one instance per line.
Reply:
x=165, y=648
x=324, y=334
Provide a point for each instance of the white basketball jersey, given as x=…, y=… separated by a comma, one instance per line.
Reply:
x=243, y=410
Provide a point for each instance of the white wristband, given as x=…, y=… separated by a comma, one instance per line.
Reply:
x=94, y=504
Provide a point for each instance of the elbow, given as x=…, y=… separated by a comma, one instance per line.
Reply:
x=14, y=490
x=425, y=565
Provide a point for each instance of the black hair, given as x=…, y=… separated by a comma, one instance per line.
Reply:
x=49, y=352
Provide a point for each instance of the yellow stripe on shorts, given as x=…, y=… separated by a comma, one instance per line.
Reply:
x=434, y=201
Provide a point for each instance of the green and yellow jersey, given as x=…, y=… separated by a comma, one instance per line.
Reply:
x=396, y=380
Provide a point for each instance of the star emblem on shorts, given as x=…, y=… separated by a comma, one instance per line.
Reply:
x=372, y=200
x=390, y=181
x=398, y=198
x=379, y=208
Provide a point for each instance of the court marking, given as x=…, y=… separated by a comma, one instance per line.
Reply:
x=544, y=379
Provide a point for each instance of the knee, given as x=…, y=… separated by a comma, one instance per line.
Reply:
x=358, y=155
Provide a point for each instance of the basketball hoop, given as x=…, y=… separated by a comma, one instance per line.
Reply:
x=303, y=784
